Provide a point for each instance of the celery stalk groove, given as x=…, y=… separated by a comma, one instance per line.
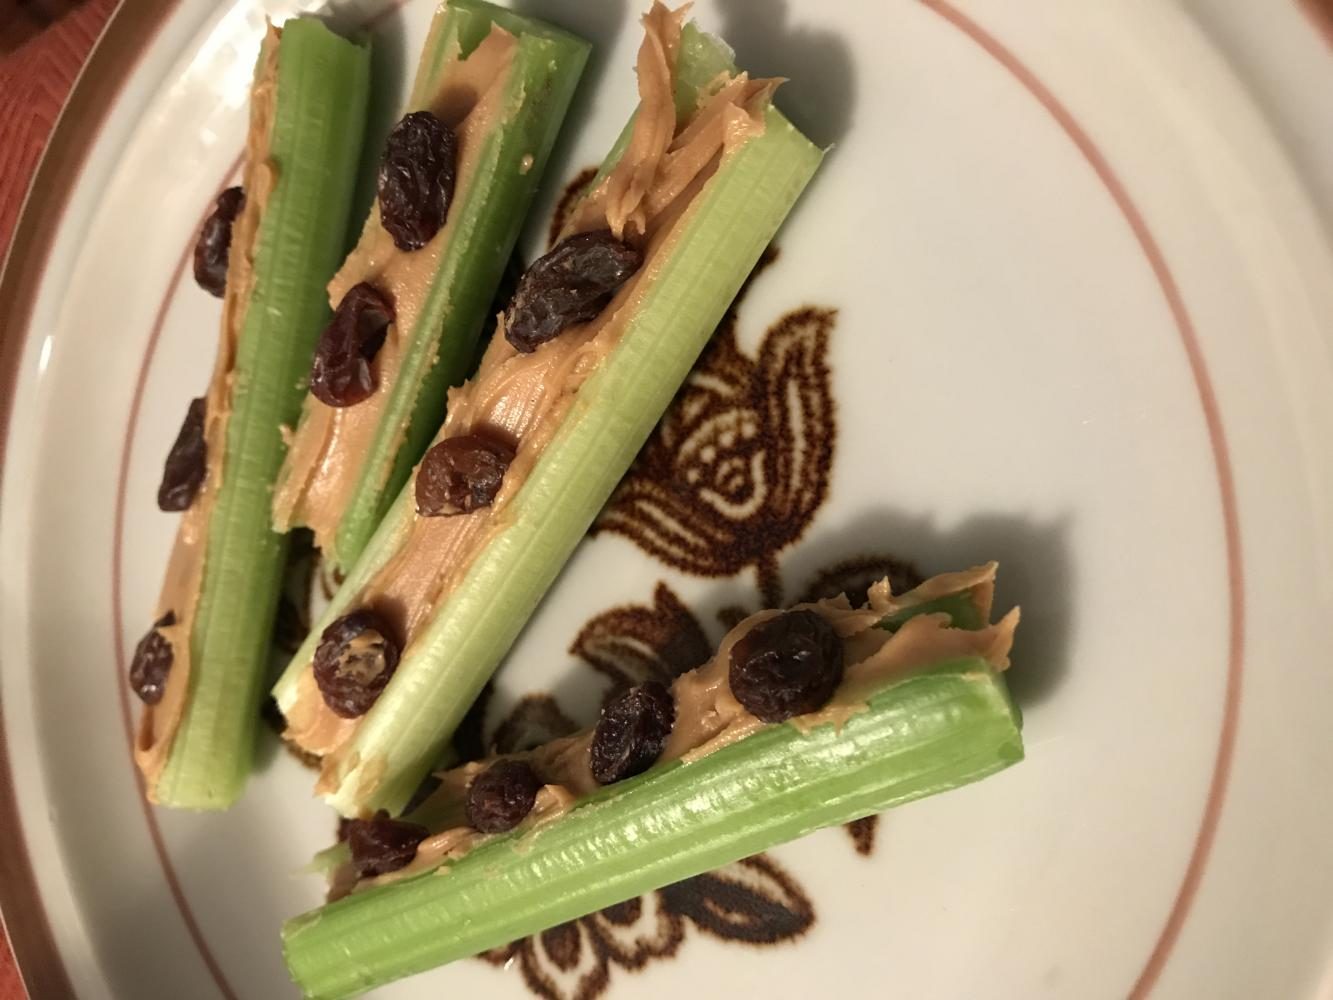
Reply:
x=315, y=140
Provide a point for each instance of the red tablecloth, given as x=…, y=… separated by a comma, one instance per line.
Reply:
x=43, y=44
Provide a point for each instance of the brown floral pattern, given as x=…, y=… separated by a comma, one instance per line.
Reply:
x=633, y=644
x=740, y=463
x=753, y=901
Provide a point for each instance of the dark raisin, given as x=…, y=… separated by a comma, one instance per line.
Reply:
x=416, y=180
x=152, y=662
x=354, y=660
x=462, y=473
x=340, y=374
x=631, y=733
x=381, y=844
x=786, y=666
x=187, y=462
x=211, y=252
x=501, y=796
x=571, y=284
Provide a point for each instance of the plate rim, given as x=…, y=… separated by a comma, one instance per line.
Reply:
x=126, y=37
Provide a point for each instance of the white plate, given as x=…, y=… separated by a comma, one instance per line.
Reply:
x=1083, y=326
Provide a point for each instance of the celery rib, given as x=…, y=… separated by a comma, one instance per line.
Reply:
x=321, y=95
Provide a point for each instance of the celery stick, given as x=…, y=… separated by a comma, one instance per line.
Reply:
x=315, y=140
x=732, y=219
x=926, y=733
x=961, y=609
x=483, y=226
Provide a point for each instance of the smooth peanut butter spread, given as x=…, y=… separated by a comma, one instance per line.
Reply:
x=646, y=196
x=708, y=717
x=328, y=448
x=185, y=569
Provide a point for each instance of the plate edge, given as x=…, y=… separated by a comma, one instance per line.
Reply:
x=126, y=36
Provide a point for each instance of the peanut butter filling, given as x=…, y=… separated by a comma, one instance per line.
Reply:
x=528, y=396
x=185, y=569
x=328, y=449
x=708, y=716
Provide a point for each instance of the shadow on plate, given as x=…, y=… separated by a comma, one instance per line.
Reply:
x=1036, y=573
x=601, y=23
x=820, y=94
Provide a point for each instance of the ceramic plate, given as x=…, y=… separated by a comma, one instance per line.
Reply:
x=1060, y=297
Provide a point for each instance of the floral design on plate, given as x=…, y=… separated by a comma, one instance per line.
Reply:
x=634, y=643
x=740, y=463
x=752, y=901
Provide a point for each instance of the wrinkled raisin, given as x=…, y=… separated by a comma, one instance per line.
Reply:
x=187, y=462
x=416, y=179
x=501, y=796
x=571, y=284
x=462, y=473
x=340, y=374
x=632, y=732
x=786, y=666
x=354, y=660
x=214, y=246
x=380, y=844
x=152, y=662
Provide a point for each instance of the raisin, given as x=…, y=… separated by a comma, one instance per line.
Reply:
x=570, y=284
x=786, y=666
x=416, y=179
x=214, y=246
x=462, y=473
x=340, y=374
x=501, y=796
x=187, y=462
x=354, y=660
x=632, y=732
x=381, y=844
x=152, y=662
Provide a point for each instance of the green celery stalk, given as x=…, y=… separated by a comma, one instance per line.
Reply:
x=319, y=116
x=961, y=609
x=922, y=734
x=483, y=226
x=733, y=218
